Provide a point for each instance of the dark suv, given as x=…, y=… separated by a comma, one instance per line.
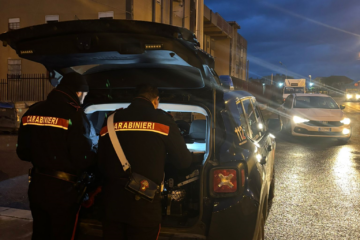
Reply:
x=227, y=190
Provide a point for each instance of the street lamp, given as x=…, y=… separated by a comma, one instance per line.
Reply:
x=310, y=80
x=285, y=69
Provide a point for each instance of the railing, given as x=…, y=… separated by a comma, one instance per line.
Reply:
x=27, y=87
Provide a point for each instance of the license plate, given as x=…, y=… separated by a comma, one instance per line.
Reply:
x=324, y=129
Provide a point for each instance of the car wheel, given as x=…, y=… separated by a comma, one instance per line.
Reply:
x=288, y=129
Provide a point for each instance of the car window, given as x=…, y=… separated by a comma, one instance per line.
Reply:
x=244, y=129
x=288, y=101
x=289, y=90
x=259, y=116
x=252, y=120
x=315, y=102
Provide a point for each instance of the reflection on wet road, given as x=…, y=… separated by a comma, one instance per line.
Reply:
x=317, y=187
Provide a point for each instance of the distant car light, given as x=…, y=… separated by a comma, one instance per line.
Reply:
x=349, y=96
x=346, y=131
x=346, y=121
x=300, y=119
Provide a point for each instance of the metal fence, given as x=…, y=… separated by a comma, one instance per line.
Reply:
x=27, y=87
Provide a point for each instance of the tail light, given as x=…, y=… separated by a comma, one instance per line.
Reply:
x=227, y=182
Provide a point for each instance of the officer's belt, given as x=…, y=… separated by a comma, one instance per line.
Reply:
x=56, y=174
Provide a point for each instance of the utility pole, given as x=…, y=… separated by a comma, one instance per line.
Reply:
x=285, y=69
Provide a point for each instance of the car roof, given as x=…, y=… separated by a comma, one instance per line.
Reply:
x=310, y=95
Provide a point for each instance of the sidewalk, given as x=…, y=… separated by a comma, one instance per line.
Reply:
x=15, y=224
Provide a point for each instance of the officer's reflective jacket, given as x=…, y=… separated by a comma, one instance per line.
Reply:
x=54, y=134
x=149, y=137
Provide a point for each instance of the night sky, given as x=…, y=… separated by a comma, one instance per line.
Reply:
x=310, y=37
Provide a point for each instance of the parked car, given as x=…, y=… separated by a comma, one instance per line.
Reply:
x=11, y=113
x=227, y=192
x=315, y=115
x=7, y=117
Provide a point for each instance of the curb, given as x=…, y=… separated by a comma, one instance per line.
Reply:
x=15, y=213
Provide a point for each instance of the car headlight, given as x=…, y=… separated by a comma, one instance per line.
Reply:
x=357, y=96
x=346, y=131
x=300, y=119
x=346, y=121
x=349, y=96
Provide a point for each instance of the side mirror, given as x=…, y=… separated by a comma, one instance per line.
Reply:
x=274, y=125
x=342, y=107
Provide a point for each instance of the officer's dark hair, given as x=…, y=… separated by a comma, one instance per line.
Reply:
x=147, y=91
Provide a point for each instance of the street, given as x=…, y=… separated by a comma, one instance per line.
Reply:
x=317, y=187
x=317, y=192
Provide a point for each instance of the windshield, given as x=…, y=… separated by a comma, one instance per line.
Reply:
x=315, y=102
x=289, y=90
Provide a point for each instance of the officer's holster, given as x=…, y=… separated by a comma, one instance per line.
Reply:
x=80, y=183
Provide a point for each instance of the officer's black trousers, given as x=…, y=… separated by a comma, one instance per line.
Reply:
x=53, y=207
x=123, y=231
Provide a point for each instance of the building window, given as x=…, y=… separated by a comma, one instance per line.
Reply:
x=51, y=18
x=14, y=23
x=237, y=69
x=14, y=67
x=106, y=15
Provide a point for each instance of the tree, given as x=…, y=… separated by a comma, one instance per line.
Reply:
x=338, y=82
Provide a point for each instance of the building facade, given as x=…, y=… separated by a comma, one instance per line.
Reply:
x=217, y=36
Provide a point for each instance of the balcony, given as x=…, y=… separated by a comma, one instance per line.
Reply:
x=215, y=26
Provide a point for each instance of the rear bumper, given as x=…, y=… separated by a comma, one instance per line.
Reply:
x=235, y=222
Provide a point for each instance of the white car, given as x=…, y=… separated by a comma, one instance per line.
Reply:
x=314, y=115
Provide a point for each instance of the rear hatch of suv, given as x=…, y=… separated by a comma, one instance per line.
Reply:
x=116, y=55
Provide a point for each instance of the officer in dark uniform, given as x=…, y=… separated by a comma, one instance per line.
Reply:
x=148, y=136
x=53, y=136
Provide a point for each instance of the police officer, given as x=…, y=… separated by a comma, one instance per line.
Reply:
x=53, y=136
x=146, y=146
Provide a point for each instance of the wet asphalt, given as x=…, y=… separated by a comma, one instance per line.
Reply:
x=317, y=185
